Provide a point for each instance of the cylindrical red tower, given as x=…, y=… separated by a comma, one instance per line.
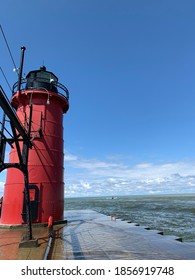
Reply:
x=47, y=100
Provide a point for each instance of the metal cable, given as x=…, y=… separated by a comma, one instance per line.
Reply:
x=5, y=78
x=9, y=49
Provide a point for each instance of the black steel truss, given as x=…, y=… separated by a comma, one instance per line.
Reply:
x=17, y=135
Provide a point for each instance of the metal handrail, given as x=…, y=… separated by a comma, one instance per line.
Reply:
x=64, y=93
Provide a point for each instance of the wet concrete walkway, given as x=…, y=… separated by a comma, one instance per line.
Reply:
x=92, y=236
x=89, y=235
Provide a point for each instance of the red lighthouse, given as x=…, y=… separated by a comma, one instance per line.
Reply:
x=42, y=103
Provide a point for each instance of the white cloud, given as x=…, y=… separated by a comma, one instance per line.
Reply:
x=1, y=188
x=2, y=181
x=85, y=185
x=70, y=157
x=112, y=176
x=91, y=177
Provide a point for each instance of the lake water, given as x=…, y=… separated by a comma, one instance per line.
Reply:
x=172, y=214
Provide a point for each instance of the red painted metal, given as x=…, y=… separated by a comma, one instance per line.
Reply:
x=46, y=158
x=50, y=221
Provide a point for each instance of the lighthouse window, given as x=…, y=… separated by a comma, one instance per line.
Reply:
x=43, y=76
x=46, y=77
x=42, y=79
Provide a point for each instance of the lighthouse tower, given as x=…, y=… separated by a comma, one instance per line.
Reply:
x=42, y=102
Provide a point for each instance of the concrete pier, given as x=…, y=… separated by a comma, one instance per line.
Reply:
x=92, y=236
x=89, y=235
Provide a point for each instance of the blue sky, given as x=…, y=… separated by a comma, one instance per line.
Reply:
x=130, y=68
